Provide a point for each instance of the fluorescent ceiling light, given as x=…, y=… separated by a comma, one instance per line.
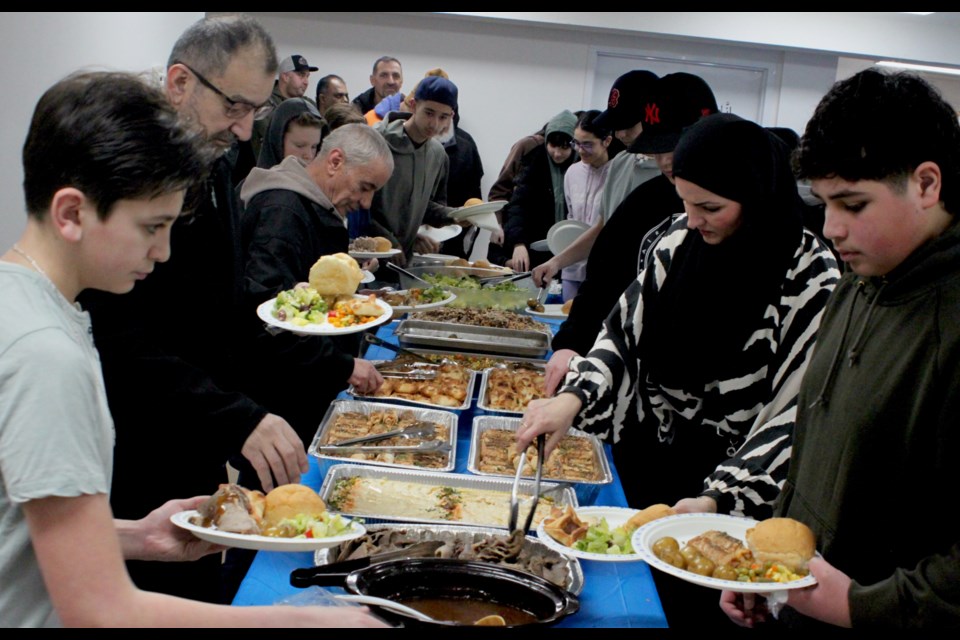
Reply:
x=919, y=13
x=953, y=71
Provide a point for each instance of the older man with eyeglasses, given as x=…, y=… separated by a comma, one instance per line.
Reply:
x=172, y=373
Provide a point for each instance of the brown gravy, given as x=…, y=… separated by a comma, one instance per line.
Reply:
x=466, y=611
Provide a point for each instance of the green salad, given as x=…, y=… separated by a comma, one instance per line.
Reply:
x=300, y=306
x=468, y=282
x=601, y=539
x=326, y=525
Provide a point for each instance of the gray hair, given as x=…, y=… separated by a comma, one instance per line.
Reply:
x=208, y=45
x=360, y=143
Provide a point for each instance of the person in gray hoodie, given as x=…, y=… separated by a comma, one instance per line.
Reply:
x=293, y=214
x=416, y=192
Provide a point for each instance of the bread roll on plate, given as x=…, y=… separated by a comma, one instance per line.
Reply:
x=782, y=540
x=336, y=274
x=289, y=501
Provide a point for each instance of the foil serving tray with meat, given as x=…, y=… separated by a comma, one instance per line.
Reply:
x=486, y=423
x=462, y=337
x=339, y=407
x=464, y=404
x=559, y=568
x=474, y=361
x=400, y=495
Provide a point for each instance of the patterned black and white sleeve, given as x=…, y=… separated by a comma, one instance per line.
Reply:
x=750, y=480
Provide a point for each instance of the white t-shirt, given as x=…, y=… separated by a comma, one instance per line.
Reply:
x=56, y=433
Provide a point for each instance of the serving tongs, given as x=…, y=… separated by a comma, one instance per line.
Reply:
x=515, y=540
x=416, y=430
x=372, y=339
x=504, y=278
x=390, y=265
x=429, y=446
x=412, y=371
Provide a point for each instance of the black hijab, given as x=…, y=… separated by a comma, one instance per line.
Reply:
x=714, y=295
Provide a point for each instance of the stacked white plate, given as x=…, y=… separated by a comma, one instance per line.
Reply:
x=562, y=234
x=440, y=234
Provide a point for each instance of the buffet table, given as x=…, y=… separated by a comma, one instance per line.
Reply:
x=615, y=594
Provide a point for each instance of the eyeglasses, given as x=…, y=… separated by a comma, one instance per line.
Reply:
x=234, y=109
x=585, y=146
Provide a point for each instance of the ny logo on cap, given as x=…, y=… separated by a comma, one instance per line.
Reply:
x=652, y=114
x=614, y=99
x=301, y=61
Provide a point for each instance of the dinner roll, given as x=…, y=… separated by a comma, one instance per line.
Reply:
x=336, y=274
x=472, y=201
x=383, y=244
x=782, y=540
x=651, y=513
x=291, y=500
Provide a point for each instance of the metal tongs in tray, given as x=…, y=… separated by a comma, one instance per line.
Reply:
x=505, y=278
x=514, y=542
x=424, y=430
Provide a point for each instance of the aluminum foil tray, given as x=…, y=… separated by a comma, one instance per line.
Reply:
x=468, y=535
x=483, y=401
x=338, y=407
x=471, y=383
x=485, y=423
x=561, y=494
x=464, y=337
x=500, y=359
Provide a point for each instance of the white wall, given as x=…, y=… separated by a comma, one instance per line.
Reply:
x=41, y=48
x=514, y=70
x=513, y=76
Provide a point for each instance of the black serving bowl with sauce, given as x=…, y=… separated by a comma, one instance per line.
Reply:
x=449, y=581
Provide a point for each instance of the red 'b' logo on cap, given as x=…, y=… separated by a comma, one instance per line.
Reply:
x=651, y=114
x=614, y=99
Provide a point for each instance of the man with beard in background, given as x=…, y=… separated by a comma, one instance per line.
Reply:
x=167, y=348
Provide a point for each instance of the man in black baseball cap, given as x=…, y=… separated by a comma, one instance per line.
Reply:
x=293, y=77
x=624, y=115
x=678, y=101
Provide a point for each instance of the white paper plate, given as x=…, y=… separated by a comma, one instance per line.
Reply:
x=265, y=313
x=440, y=234
x=487, y=207
x=563, y=234
x=262, y=543
x=549, y=311
x=366, y=255
x=615, y=516
x=540, y=245
x=684, y=526
x=367, y=277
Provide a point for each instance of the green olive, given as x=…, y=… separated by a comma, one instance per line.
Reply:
x=665, y=544
x=725, y=572
x=701, y=566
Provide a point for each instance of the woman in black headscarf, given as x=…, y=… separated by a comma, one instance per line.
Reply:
x=708, y=344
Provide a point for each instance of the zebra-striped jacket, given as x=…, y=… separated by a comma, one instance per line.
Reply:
x=752, y=408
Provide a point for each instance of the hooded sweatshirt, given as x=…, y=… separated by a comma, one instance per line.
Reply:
x=287, y=224
x=878, y=439
x=416, y=192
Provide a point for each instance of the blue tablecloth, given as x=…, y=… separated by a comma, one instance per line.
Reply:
x=615, y=594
